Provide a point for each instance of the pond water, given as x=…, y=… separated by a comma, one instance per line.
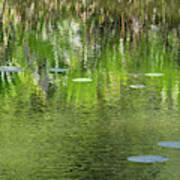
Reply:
x=83, y=103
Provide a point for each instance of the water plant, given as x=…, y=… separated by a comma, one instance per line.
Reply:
x=10, y=69
x=58, y=70
x=170, y=144
x=147, y=159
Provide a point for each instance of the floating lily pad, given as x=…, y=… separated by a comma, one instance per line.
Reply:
x=154, y=74
x=58, y=70
x=147, y=159
x=135, y=75
x=82, y=80
x=139, y=86
x=10, y=69
x=170, y=144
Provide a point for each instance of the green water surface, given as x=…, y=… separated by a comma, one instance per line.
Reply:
x=54, y=128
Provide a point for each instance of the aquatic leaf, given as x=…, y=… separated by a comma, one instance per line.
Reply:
x=154, y=74
x=147, y=159
x=10, y=69
x=58, y=70
x=135, y=75
x=139, y=86
x=170, y=144
x=82, y=80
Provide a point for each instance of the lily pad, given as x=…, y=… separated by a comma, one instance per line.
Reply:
x=82, y=80
x=147, y=159
x=138, y=86
x=10, y=69
x=58, y=70
x=154, y=74
x=135, y=75
x=170, y=144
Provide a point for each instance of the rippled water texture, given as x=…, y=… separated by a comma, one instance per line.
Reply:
x=84, y=88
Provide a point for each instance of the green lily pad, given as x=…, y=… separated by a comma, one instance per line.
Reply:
x=170, y=144
x=135, y=75
x=154, y=74
x=82, y=80
x=10, y=69
x=58, y=70
x=147, y=159
x=138, y=86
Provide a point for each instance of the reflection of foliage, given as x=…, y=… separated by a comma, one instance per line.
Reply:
x=109, y=66
x=35, y=10
x=127, y=14
x=85, y=53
